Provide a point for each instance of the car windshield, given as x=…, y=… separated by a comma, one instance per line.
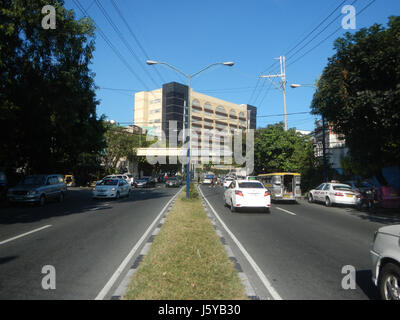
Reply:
x=209, y=177
x=342, y=187
x=251, y=185
x=109, y=182
x=33, y=180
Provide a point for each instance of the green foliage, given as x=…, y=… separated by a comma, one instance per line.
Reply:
x=193, y=194
x=277, y=150
x=359, y=94
x=48, y=118
x=121, y=144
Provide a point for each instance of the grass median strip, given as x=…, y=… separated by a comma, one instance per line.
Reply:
x=186, y=260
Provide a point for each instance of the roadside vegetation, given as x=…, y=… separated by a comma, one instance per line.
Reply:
x=186, y=260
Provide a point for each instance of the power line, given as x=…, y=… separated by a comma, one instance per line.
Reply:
x=109, y=43
x=134, y=37
x=326, y=27
x=338, y=29
x=310, y=33
x=118, y=32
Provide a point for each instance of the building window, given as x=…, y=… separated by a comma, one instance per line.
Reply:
x=242, y=118
x=208, y=110
x=196, y=106
x=232, y=115
x=220, y=112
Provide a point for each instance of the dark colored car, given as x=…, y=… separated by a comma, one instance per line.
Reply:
x=173, y=182
x=145, y=183
x=38, y=189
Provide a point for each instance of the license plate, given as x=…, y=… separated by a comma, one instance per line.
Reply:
x=350, y=196
x=286, y=196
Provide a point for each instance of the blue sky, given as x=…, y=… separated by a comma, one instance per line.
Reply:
x=193, y=34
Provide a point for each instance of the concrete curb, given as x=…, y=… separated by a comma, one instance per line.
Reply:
x=250, y=292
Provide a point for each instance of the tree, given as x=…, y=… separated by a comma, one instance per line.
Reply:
x=121, y=144
x=48, y=119
x=277, y=150
x=359, y=93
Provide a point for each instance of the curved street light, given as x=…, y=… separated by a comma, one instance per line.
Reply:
x=189, y=77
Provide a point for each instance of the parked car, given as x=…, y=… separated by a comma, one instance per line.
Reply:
x=38, y=189
x=111, y=188
x=359, y=186
x=247, y=194
x=145, y=183
x=174, y=182
x=385, y=256
x=332, y=193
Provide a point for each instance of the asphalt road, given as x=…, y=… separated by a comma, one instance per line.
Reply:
x=83, y=239
x=302, y=248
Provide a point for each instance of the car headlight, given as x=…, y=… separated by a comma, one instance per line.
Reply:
x=32, y=192
x=113, y=189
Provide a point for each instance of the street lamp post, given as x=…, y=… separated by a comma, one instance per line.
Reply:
x=189, y=78
x=325, y=176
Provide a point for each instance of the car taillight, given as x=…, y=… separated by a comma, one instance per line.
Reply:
x=266, y=194
x=339, y=194
x=239, y=193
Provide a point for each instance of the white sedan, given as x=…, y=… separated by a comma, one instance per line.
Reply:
x=227, y=182
x=247, y=194
x=385, y=256
x=334, y=193
x=112, y=188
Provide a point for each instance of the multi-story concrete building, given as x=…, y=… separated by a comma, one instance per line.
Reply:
x=335, y=145
x=154, y=111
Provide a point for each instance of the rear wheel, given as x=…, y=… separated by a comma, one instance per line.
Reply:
x=117, y=195
x=42, y=200
x=233, y=208
x=328, y=202
x=61, y=197
x=267, y=210
x=389, y=282
x=310, y=198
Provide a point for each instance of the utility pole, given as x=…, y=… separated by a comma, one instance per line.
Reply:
x=324, y=150
x=282, y=75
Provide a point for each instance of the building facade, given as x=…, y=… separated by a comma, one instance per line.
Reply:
x=335, y=145
x=154, y=111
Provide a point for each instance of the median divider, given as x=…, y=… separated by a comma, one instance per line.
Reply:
x=185, y=260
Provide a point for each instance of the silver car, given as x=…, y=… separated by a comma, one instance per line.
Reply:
x=38, y=189
x=111, y=188
x=385, y=256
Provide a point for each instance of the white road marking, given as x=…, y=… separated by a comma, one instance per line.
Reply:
x=287, y=211
x=102, y=294
x=256, y=268
x=24, y=234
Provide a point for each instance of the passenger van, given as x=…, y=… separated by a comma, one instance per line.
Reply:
x=283, y=186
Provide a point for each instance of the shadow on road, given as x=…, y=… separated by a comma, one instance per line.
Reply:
x=77, y=201
x=364, y=282
x=4, y=260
